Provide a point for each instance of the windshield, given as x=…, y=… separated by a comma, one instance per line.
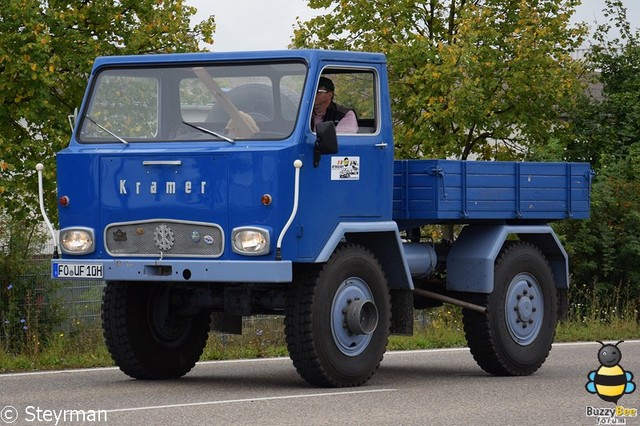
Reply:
x=187, y=103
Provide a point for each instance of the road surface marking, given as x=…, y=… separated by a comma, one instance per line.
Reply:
x=235, y=401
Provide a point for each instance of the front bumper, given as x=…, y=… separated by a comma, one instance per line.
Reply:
x=174, y=270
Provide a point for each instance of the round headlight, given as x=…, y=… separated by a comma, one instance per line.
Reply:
x=250, y=241
x=77, y=241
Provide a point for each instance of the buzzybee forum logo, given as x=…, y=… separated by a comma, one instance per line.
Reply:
x=610, y=381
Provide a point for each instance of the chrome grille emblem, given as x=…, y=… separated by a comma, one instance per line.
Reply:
x=163, y=237
x=172, y=238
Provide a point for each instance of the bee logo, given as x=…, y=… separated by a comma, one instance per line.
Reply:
x=610, y=381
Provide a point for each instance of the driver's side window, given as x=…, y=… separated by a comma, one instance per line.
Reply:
x=348, y=98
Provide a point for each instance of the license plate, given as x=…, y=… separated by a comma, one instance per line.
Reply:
x=77, y=270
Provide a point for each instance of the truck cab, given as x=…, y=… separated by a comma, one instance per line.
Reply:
x=207, y=142
x=201, y=189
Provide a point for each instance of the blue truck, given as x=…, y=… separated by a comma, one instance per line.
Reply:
x=197, y=187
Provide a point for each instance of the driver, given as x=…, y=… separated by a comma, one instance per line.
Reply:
x=325, y=109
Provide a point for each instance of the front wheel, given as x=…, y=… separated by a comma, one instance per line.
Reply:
x=514, y=337
x=148, y=333
x=337, y=319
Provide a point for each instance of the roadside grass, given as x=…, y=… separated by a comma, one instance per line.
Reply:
x=601, y=321
x=84, y=347
x=81, y=348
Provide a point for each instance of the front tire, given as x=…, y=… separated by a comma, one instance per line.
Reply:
x=514, y=337
x=337, y=319
x=148, y=336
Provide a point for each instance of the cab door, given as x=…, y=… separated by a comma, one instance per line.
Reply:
x=354, y=184
x=359, y=175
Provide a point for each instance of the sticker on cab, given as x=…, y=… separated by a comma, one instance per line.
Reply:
x=345, y=168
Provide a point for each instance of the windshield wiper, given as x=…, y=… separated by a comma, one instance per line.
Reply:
x=210, y=132
x=106, y=130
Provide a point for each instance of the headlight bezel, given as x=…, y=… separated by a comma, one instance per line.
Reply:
x=77, y=241
x=265, y=245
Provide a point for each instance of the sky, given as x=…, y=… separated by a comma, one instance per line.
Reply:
x=268, y=24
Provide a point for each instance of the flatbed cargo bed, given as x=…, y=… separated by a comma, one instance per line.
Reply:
x=445, y=191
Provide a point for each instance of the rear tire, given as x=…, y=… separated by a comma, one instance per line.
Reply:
x=514, y=337
x=145, y=334
x=328, y=347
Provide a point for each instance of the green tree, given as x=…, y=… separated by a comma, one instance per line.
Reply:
x=605, y=250
x=489, y=78
x=47, y=48
x=608, y=125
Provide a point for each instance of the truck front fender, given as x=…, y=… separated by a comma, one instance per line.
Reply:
x=470, y=263
x=383, y=239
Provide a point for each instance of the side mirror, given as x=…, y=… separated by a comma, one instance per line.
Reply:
x=326, y=142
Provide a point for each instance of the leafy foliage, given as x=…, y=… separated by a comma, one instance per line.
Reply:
x=47, y=49
x=486, y=78
x=605, y=250
x=28, y=313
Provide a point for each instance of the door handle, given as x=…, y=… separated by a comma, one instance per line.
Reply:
x=381, y=145
x=162, y=163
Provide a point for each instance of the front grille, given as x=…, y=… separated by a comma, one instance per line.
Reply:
x=164, y=238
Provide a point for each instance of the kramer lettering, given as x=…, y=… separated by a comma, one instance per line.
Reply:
x=170, y=188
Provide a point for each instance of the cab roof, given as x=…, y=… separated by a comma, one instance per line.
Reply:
x=308, y=55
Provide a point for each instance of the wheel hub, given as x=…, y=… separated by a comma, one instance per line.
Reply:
x=354, y=316
x=361, y=316
x=524, y=309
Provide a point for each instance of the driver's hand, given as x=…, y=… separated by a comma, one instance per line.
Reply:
x=234, y=131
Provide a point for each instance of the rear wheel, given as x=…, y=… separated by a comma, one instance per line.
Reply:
x=337, y=319
x=148, y=333
x=514, y=337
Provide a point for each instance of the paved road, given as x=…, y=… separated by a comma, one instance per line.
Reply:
x=437, y=387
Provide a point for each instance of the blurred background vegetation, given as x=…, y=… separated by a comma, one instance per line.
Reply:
x=488, y=80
